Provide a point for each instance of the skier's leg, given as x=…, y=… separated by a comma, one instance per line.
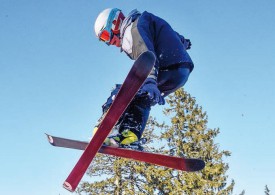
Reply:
x=106, y=106
x=169, y=80
x=132, y=122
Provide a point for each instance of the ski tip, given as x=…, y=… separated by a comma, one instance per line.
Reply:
x=195, y=165
x=148, y=57
x=68, y=186
x=151, y=55
x=200, y=165
x=50, y=138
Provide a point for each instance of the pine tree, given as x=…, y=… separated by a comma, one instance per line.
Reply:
x=187, y=135
x=243, y=192
x=267, y=191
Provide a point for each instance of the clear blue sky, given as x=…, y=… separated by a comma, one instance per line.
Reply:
x=55, y=75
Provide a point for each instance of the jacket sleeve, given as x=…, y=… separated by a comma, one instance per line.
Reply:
x=142, y=42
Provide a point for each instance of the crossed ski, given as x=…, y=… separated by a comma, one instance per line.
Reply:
x=134, y=80
x=174, y=162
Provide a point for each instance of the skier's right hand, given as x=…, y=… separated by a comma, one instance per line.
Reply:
x=151, y=89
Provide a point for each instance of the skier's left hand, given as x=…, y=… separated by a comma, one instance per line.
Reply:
x=187, y=44
x=150, y=87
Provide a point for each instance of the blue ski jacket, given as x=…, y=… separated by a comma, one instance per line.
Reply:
x=141, y=32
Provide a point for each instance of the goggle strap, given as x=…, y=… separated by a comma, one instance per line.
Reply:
x=109, y=23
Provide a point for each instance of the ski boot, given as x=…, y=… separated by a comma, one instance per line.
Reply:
x=138, y=145
x=127, y=137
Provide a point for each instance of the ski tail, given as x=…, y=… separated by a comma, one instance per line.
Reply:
x=66, y=143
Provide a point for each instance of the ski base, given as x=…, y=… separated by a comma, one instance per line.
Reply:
x=183, y=164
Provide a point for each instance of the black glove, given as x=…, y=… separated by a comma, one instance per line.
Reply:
x=151, y=89
x=187, y=44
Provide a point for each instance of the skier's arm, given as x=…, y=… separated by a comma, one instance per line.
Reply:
x=142, y=43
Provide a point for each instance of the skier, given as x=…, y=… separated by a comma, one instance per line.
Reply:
x=135, y=34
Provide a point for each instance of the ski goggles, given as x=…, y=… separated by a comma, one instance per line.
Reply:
x=106, y=33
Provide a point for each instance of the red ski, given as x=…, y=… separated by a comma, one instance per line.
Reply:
x=173, y=162
x=134, y=80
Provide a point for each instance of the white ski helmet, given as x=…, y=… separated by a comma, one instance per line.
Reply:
x=108, y=23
